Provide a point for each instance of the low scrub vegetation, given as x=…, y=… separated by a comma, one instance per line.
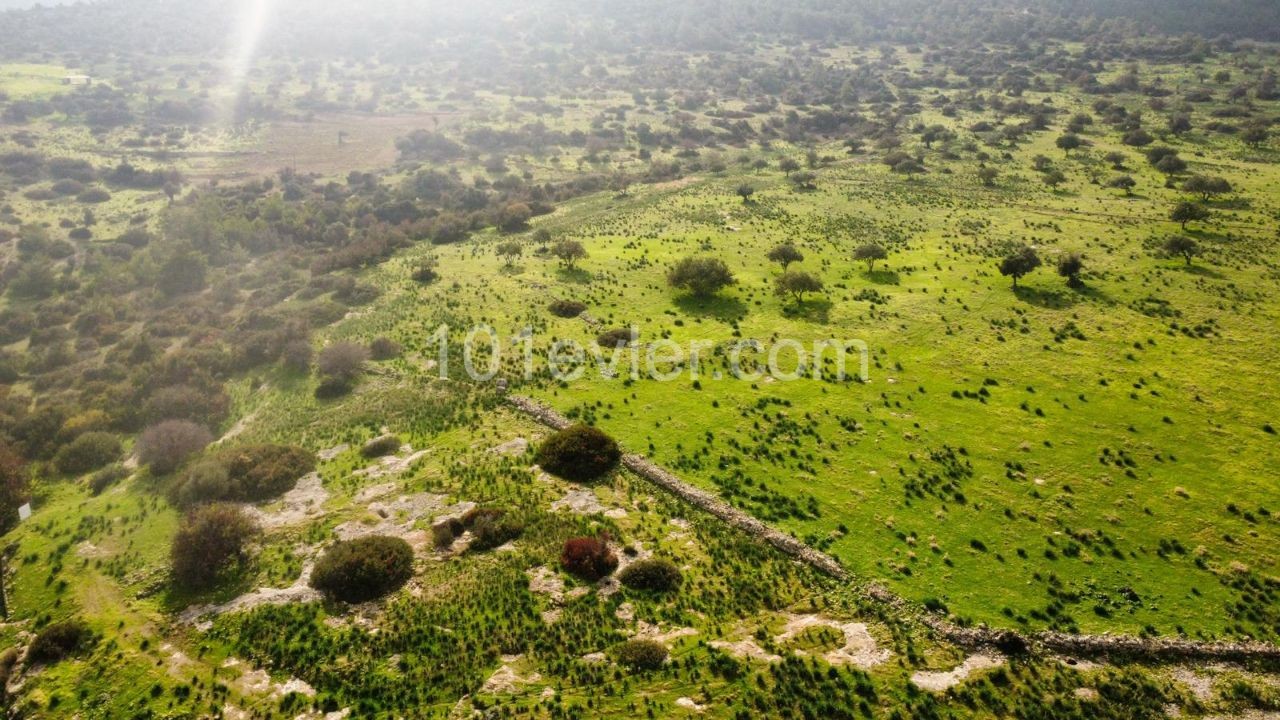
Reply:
x=642, y=654
x=579, y=453
x=651, y=574
x=59, y=641
x=588, y=558
x=250, y=473
x=211, y=539
x=363, y=569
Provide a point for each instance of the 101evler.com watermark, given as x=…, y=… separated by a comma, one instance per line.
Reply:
x=483, y=354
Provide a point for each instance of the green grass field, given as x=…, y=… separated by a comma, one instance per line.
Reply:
x=1098, y=459
x=1109, y=467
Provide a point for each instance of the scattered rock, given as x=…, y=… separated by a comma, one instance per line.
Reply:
x=939, y=681
x=506, y=680
x=689, y=704
x=518, y=446
x=859, y=649
x=299, y=592
x=303, y=503
x=333, y=452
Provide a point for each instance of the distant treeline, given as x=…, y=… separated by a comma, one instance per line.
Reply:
x=401, y=29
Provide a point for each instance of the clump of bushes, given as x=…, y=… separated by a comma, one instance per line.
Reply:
x=209, y=540
x=106, y=477
x=567, y=308
x=619, y=337
x=94, y=195
x=385, y=348
x=642, y=654
x=60, y=640
x=381, y=446
x=579, y=453
x=588, y=558
x=491, y=528
x=247, y=474
x=166, y=445
x=363, y=569
x=653, y=574
x=340, y=364
x=425, y=273
x=88, y=452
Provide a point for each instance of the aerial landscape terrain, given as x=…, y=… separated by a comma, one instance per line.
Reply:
x=559, y=359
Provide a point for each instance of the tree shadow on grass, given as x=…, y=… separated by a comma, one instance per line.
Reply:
x=1199, y=271
x=511, y=269
x=575, y=275
x=720, y=307
x=817, y=310
x=1089, y=292
x=1237, y=202
x=1052, y=299
x=882, y=277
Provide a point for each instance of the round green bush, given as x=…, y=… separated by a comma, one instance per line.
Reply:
x=618, y=337
x=363, y=569
x=566, y=308
x=58, y=641
x=579, y=453
x=653, y=574
x=210, y=539
x=642, y=654
x=491, y=528
x=88, y=452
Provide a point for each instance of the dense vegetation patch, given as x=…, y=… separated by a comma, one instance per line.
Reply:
x=60, y=640
x=88, y=452
x=642, y=654
x=652, y=574
x=247, y=474
x=588, y=558
x=579, y=453
x=363, y=569
x=210, y=539
x=567, y=308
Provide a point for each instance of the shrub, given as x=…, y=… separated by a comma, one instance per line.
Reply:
x=701, y=276
x=246, y=474
x=106, y=477
x=491, y=528
x=425, y=273
x=654, y=574
x=14, y=491
x=642, y=654
x=206, y=407
x=94, y=195
x=331, y=388
x=88, y=452
x=380, y=446
x=363, y=569
x=209, y=540
x=579, y=453
x=60, y=640
x=342, y=361
x=166, y=445
x=384, y=349
x=618, y=337
x=567, y=308
x=588, y=558
x=296, y=356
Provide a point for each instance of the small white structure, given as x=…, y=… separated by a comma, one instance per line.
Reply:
x=24, y=512
x=77, y=80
